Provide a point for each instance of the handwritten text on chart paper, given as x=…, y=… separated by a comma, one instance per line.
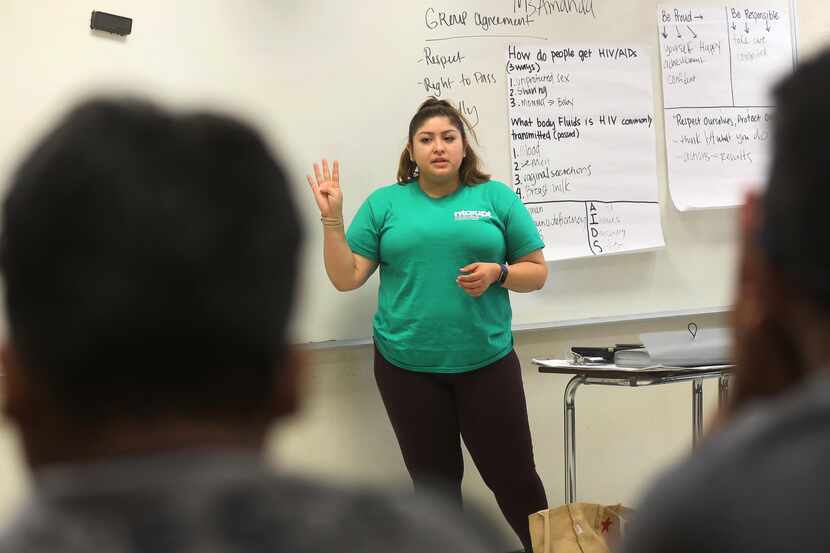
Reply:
x=718, y=64
x=469, y=80
x=582, y=144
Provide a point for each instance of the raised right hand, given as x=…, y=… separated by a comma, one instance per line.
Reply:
x=326, y=189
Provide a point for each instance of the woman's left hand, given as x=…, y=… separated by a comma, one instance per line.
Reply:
x=477, y=277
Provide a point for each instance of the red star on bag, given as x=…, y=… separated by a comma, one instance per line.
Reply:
x=606, y=524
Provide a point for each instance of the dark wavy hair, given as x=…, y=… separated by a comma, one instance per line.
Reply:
x=470, y=171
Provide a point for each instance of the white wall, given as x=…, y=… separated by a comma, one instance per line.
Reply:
x=339, y=79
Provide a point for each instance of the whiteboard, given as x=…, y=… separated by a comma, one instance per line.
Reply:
x=341, y=80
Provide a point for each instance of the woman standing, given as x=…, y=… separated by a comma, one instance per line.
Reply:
x=450, y=243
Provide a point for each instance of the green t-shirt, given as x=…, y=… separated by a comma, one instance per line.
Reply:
x=425, y=321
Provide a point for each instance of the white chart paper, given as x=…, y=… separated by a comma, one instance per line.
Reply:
x=718, y=64
x=583, y=146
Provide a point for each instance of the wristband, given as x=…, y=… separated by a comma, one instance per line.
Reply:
x=503, y=274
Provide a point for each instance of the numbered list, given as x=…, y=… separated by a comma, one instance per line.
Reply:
x=582, y=143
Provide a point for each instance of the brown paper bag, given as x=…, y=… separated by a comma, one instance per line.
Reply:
x=578, y=528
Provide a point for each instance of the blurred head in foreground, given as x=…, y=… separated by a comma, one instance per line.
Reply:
x=149, y=262
x=757, y=482
x=782, y=316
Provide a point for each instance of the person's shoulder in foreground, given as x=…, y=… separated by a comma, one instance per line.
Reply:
x=757, y=486
x=158, y=503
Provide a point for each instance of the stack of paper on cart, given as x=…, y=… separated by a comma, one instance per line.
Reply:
x=679, y=349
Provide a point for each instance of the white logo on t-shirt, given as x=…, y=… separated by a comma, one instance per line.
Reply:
x=471, y=215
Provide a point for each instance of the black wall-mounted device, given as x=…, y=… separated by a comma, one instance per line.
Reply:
x=102, y=21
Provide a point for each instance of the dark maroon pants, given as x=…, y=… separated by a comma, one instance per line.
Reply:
x=431, y=412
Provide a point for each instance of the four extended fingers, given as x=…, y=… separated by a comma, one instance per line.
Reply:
x=322, y=173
